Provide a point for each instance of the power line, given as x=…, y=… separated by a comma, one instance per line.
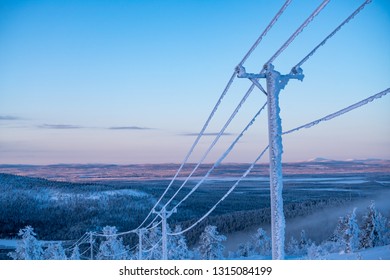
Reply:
x=257, y=42
x=299, y=30
x=221, y=158
x=341, y=112
x=299, y=64
x=268, y=28
x=223, y=198
x=192, y=147
x=308, y=125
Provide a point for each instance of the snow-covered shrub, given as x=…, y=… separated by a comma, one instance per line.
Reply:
x=28, y=248
x=210, y=244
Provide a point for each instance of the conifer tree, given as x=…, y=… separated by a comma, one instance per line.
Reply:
x=152, y=243
x=346, y=234
x=28, y=248
x=75, y=253
x=54, y=251
x=245, y=249
x=351, y=233
x=262, y=242
x=374, y=228
x=210, y=244
x=112, y=248
x=304, y=242
x=292, y=247
x=177, y=246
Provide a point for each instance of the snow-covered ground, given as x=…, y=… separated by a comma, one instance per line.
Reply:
x=377, y=253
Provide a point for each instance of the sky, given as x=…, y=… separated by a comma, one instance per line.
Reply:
x=134, y=81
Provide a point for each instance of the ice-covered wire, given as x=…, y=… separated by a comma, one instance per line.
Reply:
x=213, y=143
x=342, y=111
x=220, y=159
x=112, y=235
x=257, y=42
x=117, y=254
x=152, y=248
x=87, y=250
x=299, y=30
x=128, y=232
x=361, y=7
x=268, y=28
x=192, y=147
x=81, y=240
x=224, y=197
x=308, y=125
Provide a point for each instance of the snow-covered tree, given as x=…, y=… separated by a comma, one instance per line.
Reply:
x=54, y=251
x=262, y=242
x=75, y=253
x=152, y=247
x=177, y=246
x=112, y=248
x=374, y=229
x=315, y=252
x=245, y=249
x=292, y=247
x=210, y=244
x=351, y=234
x=28, y=248
x=304, y=241
x=346, y=234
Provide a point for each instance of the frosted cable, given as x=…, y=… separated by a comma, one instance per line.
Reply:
x=308, y=125
x=193, y=146
x=361, y=7
x=154, y=247
x=221, y=158
x=342, y=111
x=224, y=197
x=212, y=144
x=270, y=25
x=116, y=234
x=268, y=28
x=299, y=30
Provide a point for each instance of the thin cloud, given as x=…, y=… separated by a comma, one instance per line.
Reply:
x=129, y=128
x=9, y=118
x=207, y=134
x=59, y=126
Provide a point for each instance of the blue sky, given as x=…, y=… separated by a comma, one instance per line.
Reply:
x=132, y=81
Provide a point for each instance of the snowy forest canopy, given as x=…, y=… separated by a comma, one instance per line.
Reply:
x=352, y=234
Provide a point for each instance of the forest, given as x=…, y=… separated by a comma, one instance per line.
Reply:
x=66, y=211
x=352, y=234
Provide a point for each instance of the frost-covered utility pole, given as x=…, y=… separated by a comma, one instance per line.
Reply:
x=164, y=214
x=140, y=233
x=275, y=83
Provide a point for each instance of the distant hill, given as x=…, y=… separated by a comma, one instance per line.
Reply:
x=112, y=172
